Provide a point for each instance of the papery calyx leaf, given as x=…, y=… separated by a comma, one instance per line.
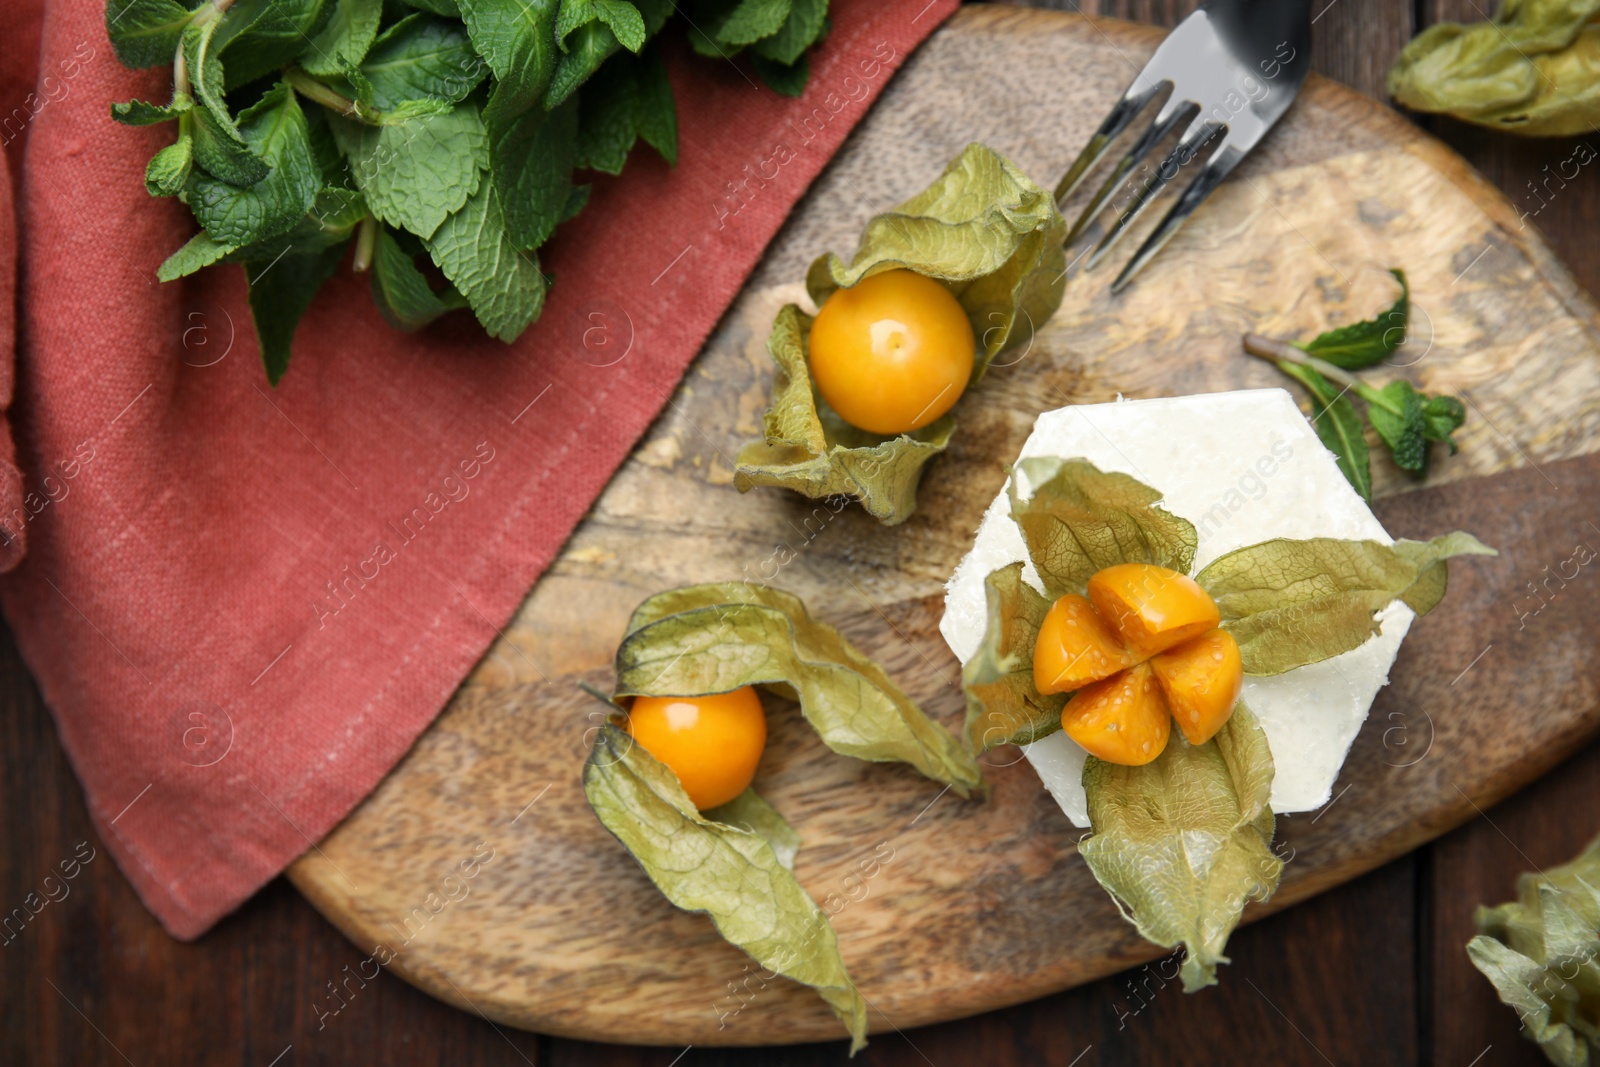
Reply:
x=730, y=872
x=1184, y=843
x=986, y=231
x=716, y=638
x=1078, y=519
x=1291, y=602
x=1003, y=706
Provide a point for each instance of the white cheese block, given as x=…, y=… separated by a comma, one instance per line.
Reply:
x=1244, y=467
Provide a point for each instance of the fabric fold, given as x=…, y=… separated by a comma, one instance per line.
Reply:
x=243, y=604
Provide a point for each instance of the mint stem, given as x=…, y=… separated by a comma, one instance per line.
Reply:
x=366, y=239
x=1273, y=349
x=324, y=94
x=204, y=14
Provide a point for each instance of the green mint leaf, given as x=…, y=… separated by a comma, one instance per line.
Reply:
x=1183, y=843
x=402, y=292
x=985, y=230
x=750, y=21
x=531, y=153
x=748, y=811
x=728, y=872
x=201, y=251
x=607, y=126
x=406, y=110
x=422, y=58
x=706, y=45
x=356, y=85
x=622, y=17
x=280, y=292
x=417, y=173
x=784, y=80
x=168, y=171
x=336, y=213
x=590, y=45
x=145, y=33
x=1003, y=707
x=626, y=99
x=447, y=8
x=655, y=13
x=655, y=114
x=1443, y=416
x=517, y=39
x=503, y=285
x=275, y=130
x=1395, y=411
x=219, y=147
x=330, y=160
x=716, y=638
x=1080, y=519
x=346, y=39
x=257, y=37
x=1289, y=602
x=1338, y=426
x=577, y=199
x=800, y=30
x=1362, y=344
x=530, y=150
x=809, y=449
x=332, y=220
x=139, y=113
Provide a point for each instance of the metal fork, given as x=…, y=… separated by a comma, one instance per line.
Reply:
x=1227, y=73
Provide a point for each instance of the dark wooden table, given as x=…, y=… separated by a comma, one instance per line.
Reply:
x=1371, y=973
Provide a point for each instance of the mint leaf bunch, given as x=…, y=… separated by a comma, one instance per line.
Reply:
x=1405, y=419
x=442, y=140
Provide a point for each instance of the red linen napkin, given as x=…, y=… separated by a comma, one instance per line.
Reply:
x=244, y=603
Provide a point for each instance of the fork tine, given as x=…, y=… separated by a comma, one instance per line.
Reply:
x=1216, y=169
x=1172, y=117
x=1179, y=157
x=1121, y=117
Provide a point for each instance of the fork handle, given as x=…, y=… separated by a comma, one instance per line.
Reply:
x=1275, y=31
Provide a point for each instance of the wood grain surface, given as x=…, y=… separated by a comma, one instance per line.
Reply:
x=986, y=904
x=1371, y=972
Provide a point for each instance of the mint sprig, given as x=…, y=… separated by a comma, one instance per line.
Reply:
x=1405, y=419
x=451, y=131
x=1366, y=344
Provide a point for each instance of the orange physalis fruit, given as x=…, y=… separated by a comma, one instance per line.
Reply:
x=1122, y=719
x=1152, y=608
x=891, y=353
x=1201, y=679
x=1075, y=647
x=1143, y=648
x=712, y=743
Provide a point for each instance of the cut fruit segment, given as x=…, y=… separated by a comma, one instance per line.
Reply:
x=1152, y=608
x=1201, y=680
x=1123, y=719
x=1075, y=647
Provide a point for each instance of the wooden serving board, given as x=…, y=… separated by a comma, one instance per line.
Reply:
x=947, y=907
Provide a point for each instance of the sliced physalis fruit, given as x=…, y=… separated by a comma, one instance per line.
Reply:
x=1201, y=680
x=712, y=743
x=891, y=353
x=1141, y=649
x=1075, y=647
x=1152, y=608
x=1123, y=719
